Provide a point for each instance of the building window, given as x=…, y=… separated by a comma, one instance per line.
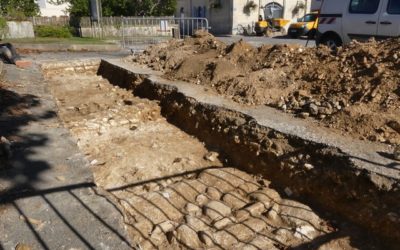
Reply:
x=364, y=6
x=393, y=7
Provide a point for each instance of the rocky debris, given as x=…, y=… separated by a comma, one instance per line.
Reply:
x=211, y=156
x=256, y=209
x=192, y=209
x=206, y=238
x=273, y=213
x=224, y=222
x=187, y=237
x=297, y=215
x=201, y=199
x=248, y=187
x=260, y=242
x=5, y=152
x=197, y=223
x=225, y=239
x=216, y=210
x=354, y=90
x=266, y=196
x=161, y=230
x=396, y=153
x=228, y=220
x=213, y=193
x=247, y=218
x=234, y=200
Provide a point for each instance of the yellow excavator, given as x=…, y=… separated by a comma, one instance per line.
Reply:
x=266, y=27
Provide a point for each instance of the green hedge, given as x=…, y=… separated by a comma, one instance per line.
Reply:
x=3, y=27
x=53, y=31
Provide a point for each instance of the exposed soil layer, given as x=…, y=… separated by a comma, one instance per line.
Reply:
x=311, y=171
x=175, y=193
x=354, y=90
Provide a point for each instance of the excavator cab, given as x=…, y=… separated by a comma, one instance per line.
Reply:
x=261, y=26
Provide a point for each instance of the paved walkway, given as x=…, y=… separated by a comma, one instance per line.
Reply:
x=47, y=198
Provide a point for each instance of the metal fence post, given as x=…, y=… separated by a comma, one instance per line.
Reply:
x=123, y=32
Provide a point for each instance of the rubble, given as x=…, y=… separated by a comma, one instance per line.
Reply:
x=396, y=153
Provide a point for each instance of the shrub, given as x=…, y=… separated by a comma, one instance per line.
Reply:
x=3, y=27
x=53, y=31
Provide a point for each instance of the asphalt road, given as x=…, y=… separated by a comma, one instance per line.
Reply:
x=258, y=41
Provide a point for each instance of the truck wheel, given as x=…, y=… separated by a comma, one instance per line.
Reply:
x=311, y=34
x=332, y=41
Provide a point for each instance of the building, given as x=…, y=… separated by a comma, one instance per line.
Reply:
x=225, y=16
x=49, y=10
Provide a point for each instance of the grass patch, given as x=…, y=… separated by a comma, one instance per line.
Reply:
x=53, y=31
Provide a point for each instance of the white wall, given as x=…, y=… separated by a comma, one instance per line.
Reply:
x=220, y=19
x=226, y=19
x=20, y=30
x=289, y=6
x=240, y=18
x=48, y=9
x=188, y=7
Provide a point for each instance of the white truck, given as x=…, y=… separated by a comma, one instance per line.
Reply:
x=341, y=21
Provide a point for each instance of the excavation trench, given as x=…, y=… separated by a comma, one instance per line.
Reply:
x=235, y=184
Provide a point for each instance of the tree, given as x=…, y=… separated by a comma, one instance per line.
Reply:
x=80, y=8
x=19, y=9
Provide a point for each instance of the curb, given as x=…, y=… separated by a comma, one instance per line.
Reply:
x=67, y=47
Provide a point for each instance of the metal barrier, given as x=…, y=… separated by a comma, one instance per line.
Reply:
x=139, y=32
x=142, y=31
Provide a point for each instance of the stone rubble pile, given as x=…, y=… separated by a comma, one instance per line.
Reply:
x=221, y=208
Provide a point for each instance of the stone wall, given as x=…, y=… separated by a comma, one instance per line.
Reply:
x=20, y=29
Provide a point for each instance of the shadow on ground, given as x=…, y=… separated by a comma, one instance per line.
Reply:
x=145, y=210
x=23, y=170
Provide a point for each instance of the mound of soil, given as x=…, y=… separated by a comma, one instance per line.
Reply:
x=355, y=89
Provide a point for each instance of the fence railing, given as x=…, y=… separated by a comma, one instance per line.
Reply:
x=131, y=31
x=53, y=21
x=137, y=31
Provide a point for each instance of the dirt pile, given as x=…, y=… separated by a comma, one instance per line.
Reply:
x=355, y=90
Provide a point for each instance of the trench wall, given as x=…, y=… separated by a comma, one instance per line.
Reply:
x=313, y=172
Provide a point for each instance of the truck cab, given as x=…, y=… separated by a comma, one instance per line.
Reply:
x=305, y=26
x=341, y=21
